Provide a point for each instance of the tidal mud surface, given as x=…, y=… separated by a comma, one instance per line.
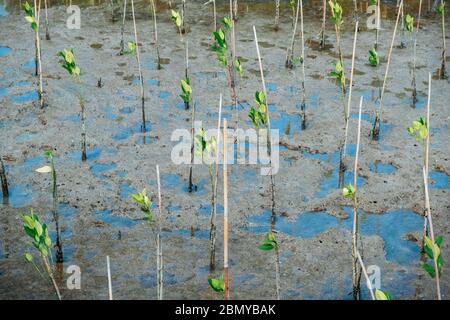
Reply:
x=97, y=216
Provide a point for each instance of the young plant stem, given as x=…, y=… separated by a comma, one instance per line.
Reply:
x=183, y=27
x=47, y=32
x=124, y=14
x=349, y=101
x=430, y=222
x=368, y=282
x=108, y=268
x=444, y=47
x=112, y=12
x=83, y=119
x=303, y=57
x=5, y=190
x=190, y=186
x=290, y=51
x=50, y=274
x=375, y=133
x=231, y=68
x=213, y=228
x=277, y=14
x=324, y=20
x=225, y=209
x=186, y=70
x=59, y=253
x=155, y=34
x=402, y=42
x=356, y=274
x=426, y=158
x=159, y=261
x=143, y=128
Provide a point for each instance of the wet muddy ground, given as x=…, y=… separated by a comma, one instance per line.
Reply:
x=98, y=218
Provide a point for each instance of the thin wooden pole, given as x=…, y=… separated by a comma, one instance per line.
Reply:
x=124, y=12
x=225, y=209
x=426, y=155
x=290, y=52
x=191, y=185
x=155, y=26
x=109, y=279
x=368, y=282
x=160, y=265
x=303, y=105
x=5, y=190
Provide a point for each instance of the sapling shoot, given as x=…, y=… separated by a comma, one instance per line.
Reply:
x=376, y=128
x=277, y=14
x=122, y=29
x=178, y=21
x=155, y=33
x=290, y=51
x=51, y=169
x=191, y=165
x=302, y=58
x=218, y=285
x=324, y=21
x=441, y=11
x=270, y=243
x=32, y=16
x=409, y=26
x=186, y=93
x=415, y=33
x=293, y=5
x=40, y=240
x=71, y=67
x=4, y=181
x=337, y=18
x=47, y=32
x=350, y=192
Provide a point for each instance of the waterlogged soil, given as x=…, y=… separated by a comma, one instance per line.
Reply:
x=97, y=217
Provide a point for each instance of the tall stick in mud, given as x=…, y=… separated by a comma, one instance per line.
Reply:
x=5, y=190
x=159, y=260
x=303, y=57
x=124, y=15
x=108, y=268
x=377, y=29
x=426, y=159
x=38, y=60
x=290, y=51
x=368, y=281
x=430, y=222
x=225, y=209
x=277, y=14
x=138, y=59
x=444, y=48
x=324, y=21
x=155, y=34
x=413, y=82
x=191, y=165
x=212, y=232
x=350, y=89
x=214, y=13
x=356, y=274
x=375, y=133
x=47, y=32
x=232, y=65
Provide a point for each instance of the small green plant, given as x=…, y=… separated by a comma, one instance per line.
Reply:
x=178, y=21
x=218, y=285
x=336, y=13
x=373, y=2
x=409, y=23
x=338, y=73
x=419, y=129
x=131, y=48
x=258, y=115
x=40, y=240
x=374, y=60
x=440, y=9
x=349, y=191
x=144, y=201
x=30, y=16
x=382, y=295
x=69, y=63
x=239, y=68
x=187, y=91
x=429, y=250
x=269, y=242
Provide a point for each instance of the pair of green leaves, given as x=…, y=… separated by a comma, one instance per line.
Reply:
x=204, y=147
x=338, y=72
x=419, y=129
x=239, y=68
x=292, y=3
x=441, y=8
x=144, y=201
x=176, y=18
x=336, y=11
x=429, y=250
x=30, y=16
x=382, y=295
x=220, y=47
x=38, y=233
x=373, y=2
x=409, y=23
x=258, y=115
x=269, y=242
x=218, y=285
x=69, y=62
x=187, y=90
x=374, y=60
x=131, y=48
x=349, y=191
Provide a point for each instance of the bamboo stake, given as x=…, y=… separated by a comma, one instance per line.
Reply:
x=50, y=274
x=37, y=13
x=324, y=19
x=5, y=190
x=277, y=14
x=109, y=279
x=290, y=52
x=225, y=209
x=124, y=12
x=414, y=93
x=159, y=262
x=427, y=152
x=377, y=30
x=47, y=33
x=356, y=274
x=377, y=124
x=190, y=186
x=303, y=105
x=212, y=232
x=430, y=222
x=349, y=101
x=368, y=282
x=152, y=2
x=444, y=47
x=144, y=129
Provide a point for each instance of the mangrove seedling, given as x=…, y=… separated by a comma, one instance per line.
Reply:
x=419, y=131
x=258, y=115
x=218, y=285
x=270, y=243
x=40, y=240
x=178, y=21
x=32, y=16
x=409, y=26
x=4, y=181
x=441, y=11
x=187, y=91
x=302, y=58
x=144, y=201
x=122, y=29
x=47, y=32
x=382, y=295
x=374, y=60
x=324, y=21
x=430, y=250
x=292, y=5
x=70, y=66
x=290, y=51
x=51, y=169
x=155, y=34
x=337, y=19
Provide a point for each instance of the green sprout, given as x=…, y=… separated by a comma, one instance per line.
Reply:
x=69, y=62
x=349, y=191
x=220, y=47
x=177, y=20
x=218, y=285
x=30, y=16
x=419, y=129
x=373, y=2
x=338, y=73
x=144, y=201
x=374, y=60
x=258, y=115
x=336, y=11
x=205, y=148
x=440, y=9
x=409, y=23
x=239, y=68
x=382, y=295
x=430, y=250
x=269, y=242
x=187, y=91
x=131, y=48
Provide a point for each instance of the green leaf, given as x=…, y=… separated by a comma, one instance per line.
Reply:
x=38, y=228
x=409, y=23
x=439, y=240
x=28, y=257
x=218, y=285
x=227, y=22
x=380, y=295
x=348, y=191
x=429, y=269
x=30, y=232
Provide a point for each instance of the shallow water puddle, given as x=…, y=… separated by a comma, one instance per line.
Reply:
x=384, y=168
x=19, y=196
x=439, y=180
x=26, y=97
x=116, y=221
x=4, y=51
